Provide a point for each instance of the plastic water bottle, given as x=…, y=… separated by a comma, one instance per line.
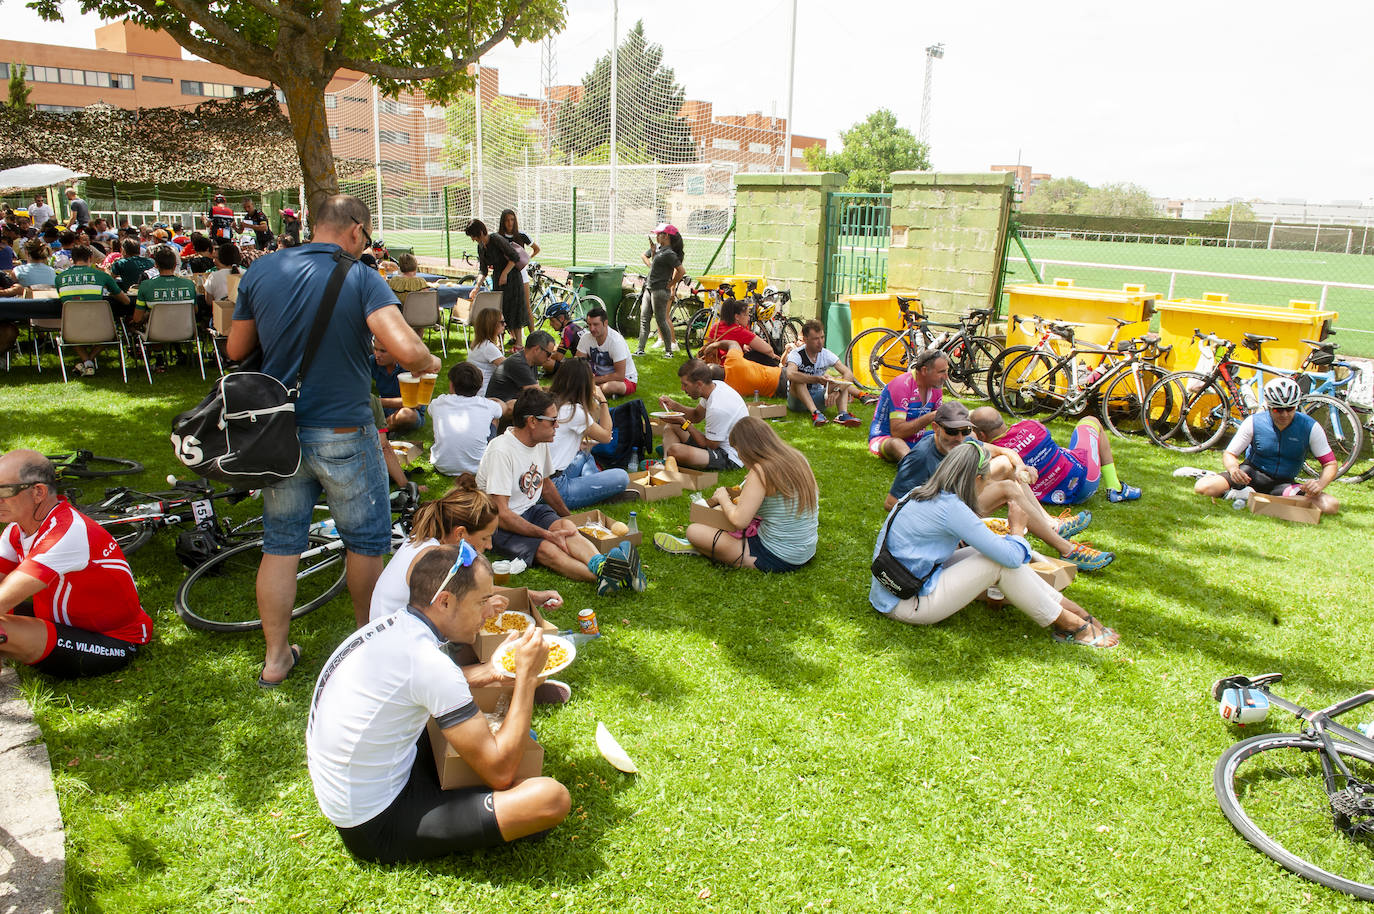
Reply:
x=578, y=637
x=634, y=523
x=1368, y=729
x=325, y=528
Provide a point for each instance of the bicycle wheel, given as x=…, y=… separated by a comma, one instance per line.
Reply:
x=627, y=316
x=969, y=360
x=85, y=465
x=694, y=336
x=1190, y=416
x=1033, y=382
x=220, y=595
x=129, y=534
x=586, y=302
x=791, y=332
x=1123, y=396
x=890, y=357
x=1344, y=431
x=993, y=378
x=1272, y=789
x=1363, y=467
x=856, y=357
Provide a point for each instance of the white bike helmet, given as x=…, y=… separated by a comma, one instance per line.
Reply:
x=1282, y=392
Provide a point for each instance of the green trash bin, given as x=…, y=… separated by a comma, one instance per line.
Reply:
x=604, y=281
x=837, y=327
x=396, y=250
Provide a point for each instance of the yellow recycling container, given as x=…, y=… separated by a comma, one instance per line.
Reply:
x=866, y=312
x=736, y=281
x=1092, y=308
x=1215, y=313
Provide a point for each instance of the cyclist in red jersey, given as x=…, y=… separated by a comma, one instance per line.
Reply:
x=68, y=606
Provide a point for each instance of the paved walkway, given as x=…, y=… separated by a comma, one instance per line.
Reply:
x=32, y=855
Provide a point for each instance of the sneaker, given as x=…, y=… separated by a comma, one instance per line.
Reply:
x=818, y=419
x=673, y=545
x=1089, y=559
x=1191, y=472
x=1125, y=493
x=639, y=353
x=605, y=587
x=669, y=354
x=88, y=369
x=1072, y=525
x=623, y=566
x=848, y=420
x=869, y=399
x=656, y=343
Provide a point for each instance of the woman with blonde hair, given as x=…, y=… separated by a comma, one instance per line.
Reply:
x=777, y=515
x=486, y=353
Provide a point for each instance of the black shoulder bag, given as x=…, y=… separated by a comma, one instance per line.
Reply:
x=895, y=577
x=244, y=431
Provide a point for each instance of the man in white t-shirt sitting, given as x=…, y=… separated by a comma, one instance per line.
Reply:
x=532, y=525
x=810, y=389
x=462, y=422
x=719, y=405
x=606, y=349
x=370, y=761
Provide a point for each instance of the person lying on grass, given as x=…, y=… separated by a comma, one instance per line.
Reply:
x=750, y=379
x=1063, y=476
x=776, y=517
x=367, y=750
x=68, y=604
x=1267, y=453
x=1006, y=484
x=718, y=408
x=923, y=533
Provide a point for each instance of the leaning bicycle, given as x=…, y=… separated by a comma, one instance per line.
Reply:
x=1304, y=799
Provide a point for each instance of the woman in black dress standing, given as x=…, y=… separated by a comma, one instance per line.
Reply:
x=497, y=256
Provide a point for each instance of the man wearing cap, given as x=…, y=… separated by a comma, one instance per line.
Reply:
x=1007, y=482
x=220, y=220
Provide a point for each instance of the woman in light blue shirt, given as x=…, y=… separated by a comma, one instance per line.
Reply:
x=36, y=271
x=923, y=534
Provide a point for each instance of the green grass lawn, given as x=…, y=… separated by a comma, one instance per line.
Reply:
x=798, y=751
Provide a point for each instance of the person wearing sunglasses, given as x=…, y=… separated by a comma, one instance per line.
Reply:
x=517, y=472
x=1267, y=453
x=369, y=755
x=340, y=458
x=1007, y=483
x=68, y=604
x=922, y=533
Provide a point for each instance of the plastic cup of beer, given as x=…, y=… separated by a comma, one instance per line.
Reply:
x=500, y=573
x=410, y=389
x=427, y=387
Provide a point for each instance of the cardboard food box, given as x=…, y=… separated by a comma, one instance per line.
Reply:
x=1285, y=507
x=455, y=773
x=656, y=486
x=406, y=451
x=1055, y=572
x=760, y=410
x=694, y=480
x=712, y=516
x=519, y=600
x=223, y=316
x=607, y=544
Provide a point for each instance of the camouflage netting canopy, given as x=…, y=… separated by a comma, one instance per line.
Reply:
x=242, y=142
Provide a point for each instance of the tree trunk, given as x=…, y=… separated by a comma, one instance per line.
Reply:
x=310, y=128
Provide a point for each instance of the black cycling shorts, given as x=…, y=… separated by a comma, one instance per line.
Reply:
x=1260, y=481
x=426, y=821
x=77, y=652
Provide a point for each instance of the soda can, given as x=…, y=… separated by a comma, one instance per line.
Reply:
x=586, y=621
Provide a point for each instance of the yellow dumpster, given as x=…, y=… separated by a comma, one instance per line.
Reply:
x=1092, y=308
x=868, y=311
x=1215, y=313
x=736, y=281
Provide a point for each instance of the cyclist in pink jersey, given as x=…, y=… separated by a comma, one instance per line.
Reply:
x=1063, y=476
x=907, y=406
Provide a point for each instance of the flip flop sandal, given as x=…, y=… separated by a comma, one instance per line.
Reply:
x=1098, y=641
x=268, y=684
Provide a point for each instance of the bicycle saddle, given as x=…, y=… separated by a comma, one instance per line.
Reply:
x=979, y=312
x=1328, y=345
x=1243, y=682
x=1252, y=338
x=1150, y=337
x=1121, y=323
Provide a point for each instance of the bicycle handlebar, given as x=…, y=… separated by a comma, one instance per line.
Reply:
x=1210, y=338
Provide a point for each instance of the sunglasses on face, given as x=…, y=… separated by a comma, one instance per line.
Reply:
x=960, y=432
x=553, y=419
x=10, y=490
x=366, y=233
x=466, y=556
x=1282, y=409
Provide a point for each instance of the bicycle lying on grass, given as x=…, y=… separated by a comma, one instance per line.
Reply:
x=132, y=517
x=1306, y=799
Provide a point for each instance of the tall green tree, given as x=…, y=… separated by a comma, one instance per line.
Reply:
x=19, y=88
x=873, y=149
x=1232, y=212
x=649, y=124
x=300, y=44
x=1118, y=199
x=507, y=136
x=1058, y=195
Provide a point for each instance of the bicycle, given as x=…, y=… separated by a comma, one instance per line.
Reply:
x=701, y=322
x=1195, y=408
x=132, y=517
x=1337, y=378
x=220, y=594
x=965, y=342
x=82, y=464
x=546, y=291
x=770, y=320
x=1271, y=789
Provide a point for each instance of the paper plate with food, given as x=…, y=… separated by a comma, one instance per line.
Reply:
x=667, y=414
x=561, y=654
x=509, y=620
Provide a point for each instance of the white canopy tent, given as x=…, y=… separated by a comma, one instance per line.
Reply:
x=30, y=176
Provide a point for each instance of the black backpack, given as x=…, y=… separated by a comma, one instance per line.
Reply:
x=632, y=437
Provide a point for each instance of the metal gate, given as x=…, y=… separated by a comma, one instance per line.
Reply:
x=858, y=232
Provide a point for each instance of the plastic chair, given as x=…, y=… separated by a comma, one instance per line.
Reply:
x=40, y=327
x=460, y=313
x=89, y=323
x=173, y=322
x=421, y=311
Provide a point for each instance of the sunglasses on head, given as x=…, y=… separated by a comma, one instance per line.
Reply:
x=466, y=556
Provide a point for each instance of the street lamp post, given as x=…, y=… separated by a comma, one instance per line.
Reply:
x=933, y=53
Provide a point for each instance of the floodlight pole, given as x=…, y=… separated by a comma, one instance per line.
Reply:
x=933, y=53
x=791, y=74
x=377, y=153
x=611, y=198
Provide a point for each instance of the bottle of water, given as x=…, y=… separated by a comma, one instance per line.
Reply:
x=634, y=523
x=1367, y=729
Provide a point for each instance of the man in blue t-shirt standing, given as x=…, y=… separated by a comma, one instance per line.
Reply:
x=340, y=457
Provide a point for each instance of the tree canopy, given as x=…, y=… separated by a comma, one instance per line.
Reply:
x=1070, y=195
x=873, y=149
x=649, y=123
x=1232, y=212
x=300, y=44
x=507, y=138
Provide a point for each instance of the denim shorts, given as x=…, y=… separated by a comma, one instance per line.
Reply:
x=765, y=560
x=347, y=468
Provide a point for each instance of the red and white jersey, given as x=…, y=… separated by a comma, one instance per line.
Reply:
x=89, y=584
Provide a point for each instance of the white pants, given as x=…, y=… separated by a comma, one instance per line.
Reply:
x=966, y=576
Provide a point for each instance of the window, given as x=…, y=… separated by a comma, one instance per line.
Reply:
x=797, y=152
x=394, y=137
x=333, y=133
x=214, y=90
x=394, y=165
x=387, y=106
x=95, y=78
x=58, y=109
x=434, y=140
x=354, y=98
x=331, y=101
x=355, y=130
x=157, y=79
x=760, y=147
x=719, y=143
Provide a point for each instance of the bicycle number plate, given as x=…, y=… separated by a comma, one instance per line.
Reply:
x=202, y=510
